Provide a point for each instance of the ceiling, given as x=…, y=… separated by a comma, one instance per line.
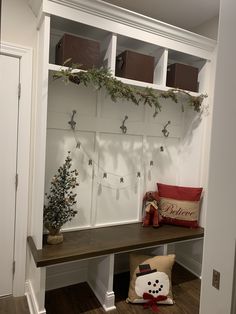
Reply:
x=186, y=14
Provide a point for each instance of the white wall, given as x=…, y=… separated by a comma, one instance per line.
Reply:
x=208, y=29
x=221, y=215
x=18, y=23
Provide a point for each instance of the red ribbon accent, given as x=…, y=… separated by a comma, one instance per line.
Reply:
x=152, y=301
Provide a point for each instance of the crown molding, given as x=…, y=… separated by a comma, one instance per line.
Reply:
x=139, y=21
x=129, y=18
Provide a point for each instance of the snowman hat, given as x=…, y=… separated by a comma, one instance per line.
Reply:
x=145, y=269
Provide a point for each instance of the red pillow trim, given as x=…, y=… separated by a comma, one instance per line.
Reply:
x=179, y=192
x=179, y=222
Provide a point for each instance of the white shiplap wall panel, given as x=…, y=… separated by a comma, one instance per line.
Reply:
x=119, y=109
x=190, y=150
x=59, y=142
x=165, y=167
x=63, y=98
x=106, y=201
x=120, y=155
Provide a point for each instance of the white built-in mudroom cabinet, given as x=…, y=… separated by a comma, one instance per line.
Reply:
x=142, y=156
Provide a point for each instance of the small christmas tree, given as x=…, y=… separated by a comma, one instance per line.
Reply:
x=61, y=199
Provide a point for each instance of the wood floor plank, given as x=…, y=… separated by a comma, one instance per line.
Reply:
x=10, y=305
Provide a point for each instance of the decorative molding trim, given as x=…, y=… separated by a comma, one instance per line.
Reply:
x=139, y=21
x=31, y=299
x=106, y=298
x=14, y=50
x=109, y=301
x=23, y=161
x=98, y=289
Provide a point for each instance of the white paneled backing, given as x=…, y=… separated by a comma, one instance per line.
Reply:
x=140, y=117
x=121, y=157
x=63, y=98
x=165, y=168
x=117, y=110
x=191, y=149
x=102, y=198
x=59, y=142
x=169, y=111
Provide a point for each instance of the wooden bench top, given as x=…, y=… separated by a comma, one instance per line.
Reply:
x=107, y=240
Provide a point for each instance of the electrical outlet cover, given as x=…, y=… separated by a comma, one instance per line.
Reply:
x=216, y=279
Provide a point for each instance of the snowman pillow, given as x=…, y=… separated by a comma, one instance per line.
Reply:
x=150, y=279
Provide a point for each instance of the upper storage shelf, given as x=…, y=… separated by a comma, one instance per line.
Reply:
x=120, y=31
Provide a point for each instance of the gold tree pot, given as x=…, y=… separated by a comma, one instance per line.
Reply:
x=54, y=236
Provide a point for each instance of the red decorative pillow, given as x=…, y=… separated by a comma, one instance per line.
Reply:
x=179, y=205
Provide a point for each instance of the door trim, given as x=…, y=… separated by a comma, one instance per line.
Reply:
x=23, y=162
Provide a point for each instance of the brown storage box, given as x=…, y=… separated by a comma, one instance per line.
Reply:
x=82, y=51
x=135, y=66
x=182, y=76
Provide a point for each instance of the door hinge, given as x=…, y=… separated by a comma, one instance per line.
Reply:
x=19, y=90
x=14, y=267
x=16, y=180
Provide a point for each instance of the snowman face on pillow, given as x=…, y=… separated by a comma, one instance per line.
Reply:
x=155, y=283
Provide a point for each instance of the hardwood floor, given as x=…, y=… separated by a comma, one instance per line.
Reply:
x=10, y=305
x=80, y=299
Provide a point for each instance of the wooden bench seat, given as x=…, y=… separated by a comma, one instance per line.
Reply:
x=108, y=240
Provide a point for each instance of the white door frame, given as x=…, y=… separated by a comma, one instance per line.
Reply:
x=23, y=162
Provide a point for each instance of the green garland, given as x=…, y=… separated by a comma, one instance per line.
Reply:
x=117, y=90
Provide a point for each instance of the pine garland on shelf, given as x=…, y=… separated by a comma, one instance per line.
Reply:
x=117, y=90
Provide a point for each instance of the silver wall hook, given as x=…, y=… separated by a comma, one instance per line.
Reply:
x=123, y=127
x=165, y=132
x=72, y=123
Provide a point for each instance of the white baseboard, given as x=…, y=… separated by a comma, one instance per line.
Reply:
x=190, y=264
x=109, y=303
x=107, y=299
x=31, y=299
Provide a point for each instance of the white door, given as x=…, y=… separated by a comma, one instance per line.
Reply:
x=9, y=82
